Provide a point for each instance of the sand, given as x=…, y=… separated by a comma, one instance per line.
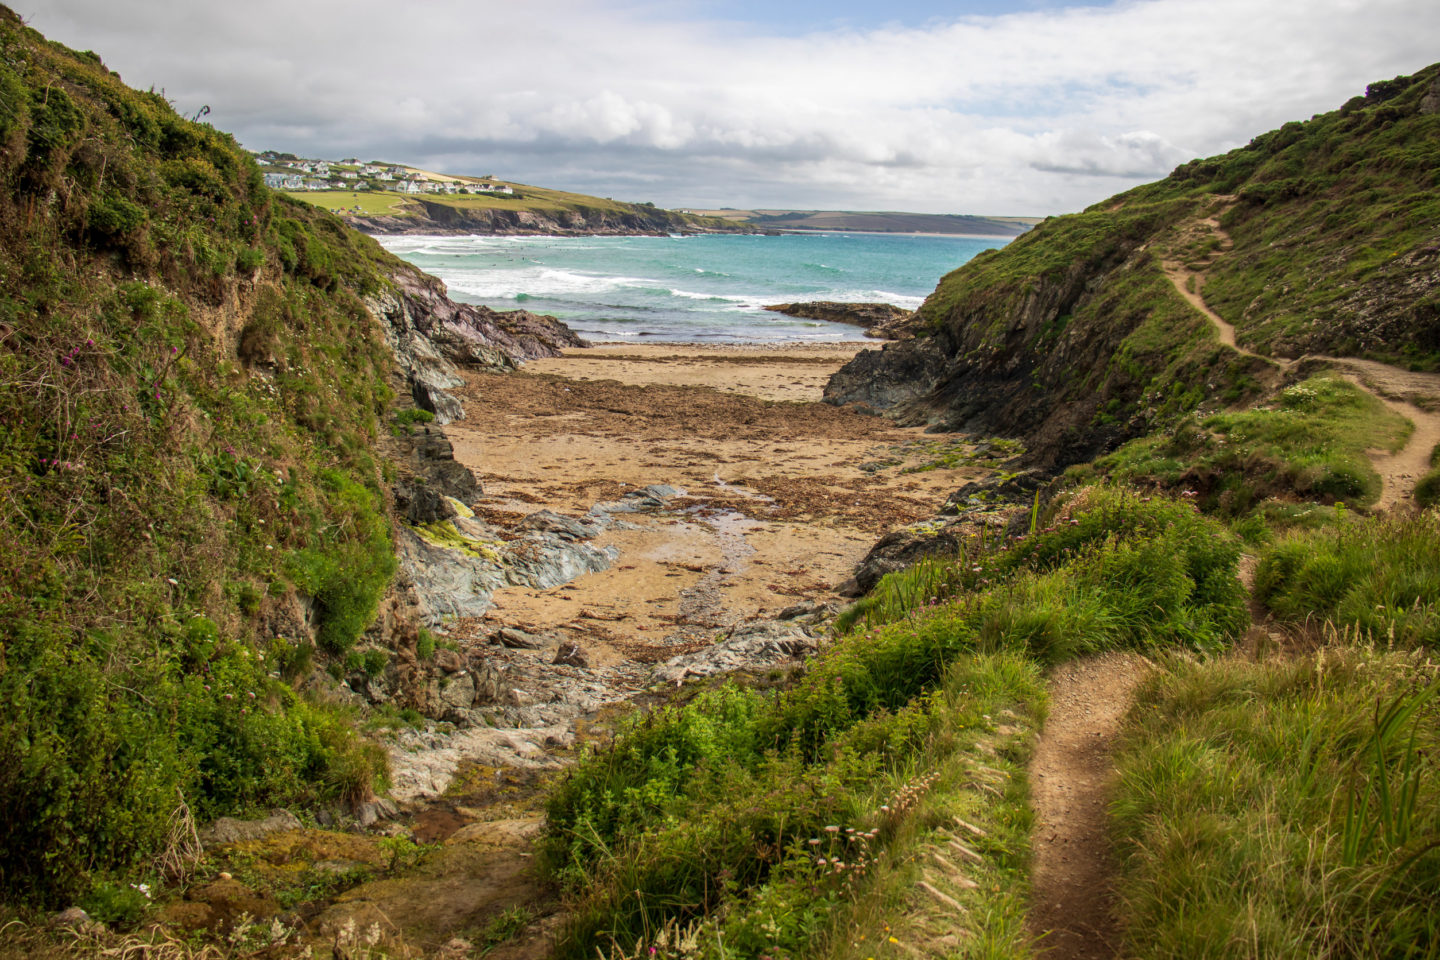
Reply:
x=777, y=509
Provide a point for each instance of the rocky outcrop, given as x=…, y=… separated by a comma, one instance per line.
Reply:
x=432, y=217
x=883, y=321
x=750, y=647
x=432, y=336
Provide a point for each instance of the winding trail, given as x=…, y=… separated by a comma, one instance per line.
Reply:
x=1071, y=777
x=1414, y=396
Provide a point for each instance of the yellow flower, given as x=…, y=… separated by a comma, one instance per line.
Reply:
x=893, y=940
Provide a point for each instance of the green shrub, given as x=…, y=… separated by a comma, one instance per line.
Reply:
x=1381, y=577
x=115, y=904
x=425, y=645
x=1427, y=489
x=111, y=215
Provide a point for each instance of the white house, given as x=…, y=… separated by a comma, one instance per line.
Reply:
x=313, y=184
x=321, y=168
x=275, y=181
x=293, y=182
x=348, y=175
x=405, y=186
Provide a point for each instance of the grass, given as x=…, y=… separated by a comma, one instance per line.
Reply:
x=704, y=812
x=1288, y=808
x=371, y=204
x=1381, y=577
x=1309, y=443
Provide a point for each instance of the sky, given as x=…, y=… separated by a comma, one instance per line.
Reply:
x=1027, y=107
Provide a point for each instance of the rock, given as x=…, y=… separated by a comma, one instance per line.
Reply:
x=230, y=830
x=881, y=320
x=458, y=693
x=568, y=528
x=368, y=813
x=905, y=547
x=420, y=504
x=449, y=661
x=1003, y=488
x=516, y=639
x=571, y=654
x=656, y=496
x=72, y=917
x=751, y=646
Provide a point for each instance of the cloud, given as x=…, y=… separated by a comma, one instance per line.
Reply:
x=1031, y=112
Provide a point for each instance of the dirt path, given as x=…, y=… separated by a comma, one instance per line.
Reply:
x=1414, y=396
x=1071, y=776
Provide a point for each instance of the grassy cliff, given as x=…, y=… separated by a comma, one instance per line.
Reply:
x=1317, y=238
x=190, y=393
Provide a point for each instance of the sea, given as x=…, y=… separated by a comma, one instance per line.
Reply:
x=709, y=288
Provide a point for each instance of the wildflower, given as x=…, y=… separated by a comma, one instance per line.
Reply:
x=832, y=829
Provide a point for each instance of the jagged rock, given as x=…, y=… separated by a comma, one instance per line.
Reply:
x=230, y=830
x=572, y=655
x=458, y=693
x=368, y=813
x=569, y=528
x=881, y=320
x=544, y=561
x=656, y=496
x=903, y=548
x=751, y=646
x=449, y=661
x=517, y=639
x=1002, y=488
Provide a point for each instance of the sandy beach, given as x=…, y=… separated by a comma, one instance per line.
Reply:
x=782, y=494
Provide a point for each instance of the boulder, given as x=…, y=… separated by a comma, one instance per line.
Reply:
x=752, y=646
x=230, y=830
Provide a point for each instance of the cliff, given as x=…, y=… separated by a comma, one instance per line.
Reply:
x=571, y=217
x=1319, y=237
x=206, y=392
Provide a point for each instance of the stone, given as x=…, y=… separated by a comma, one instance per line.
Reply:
x=459, y=692
x=72, y=917
x=1003, y=488
x=230, y=830
x=449, y=661
x=571, y=655
x=567, y=528
x=752, y=646
x=516, y=639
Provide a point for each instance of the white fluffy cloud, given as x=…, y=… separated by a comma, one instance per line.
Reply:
x=1034, y=112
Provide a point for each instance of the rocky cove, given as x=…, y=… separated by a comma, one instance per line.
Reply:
x=582, y=535
x=638, y=516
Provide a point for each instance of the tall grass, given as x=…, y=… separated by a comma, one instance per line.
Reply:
x=1381, y=576
x=698, y=807
x=1283, y=809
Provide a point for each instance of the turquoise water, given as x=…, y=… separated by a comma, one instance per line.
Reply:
x=705, y=288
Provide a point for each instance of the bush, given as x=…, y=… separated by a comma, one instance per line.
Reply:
x=1381, y=577
x=690, y=801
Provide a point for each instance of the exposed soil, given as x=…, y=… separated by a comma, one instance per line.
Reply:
x=1071, y=777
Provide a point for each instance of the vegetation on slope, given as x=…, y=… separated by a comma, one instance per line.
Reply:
x=1335, y=241
x=1309, y=444
x=703, y=815
x=189, y=392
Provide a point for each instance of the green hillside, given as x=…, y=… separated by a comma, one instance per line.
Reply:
x=1073, y=335
x=191, y=393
